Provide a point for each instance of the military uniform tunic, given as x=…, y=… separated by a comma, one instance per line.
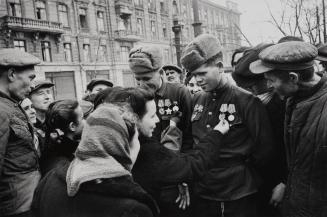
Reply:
x=248, y=143
x=169, y=99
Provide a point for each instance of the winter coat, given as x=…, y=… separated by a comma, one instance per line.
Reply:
x=306, y=151
x=19, y=168
x=116, y=197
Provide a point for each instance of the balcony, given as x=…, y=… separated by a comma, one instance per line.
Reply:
x=127, y=35
x=32, y=25
x=123, y=8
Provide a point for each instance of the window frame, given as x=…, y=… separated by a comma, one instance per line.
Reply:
x=67, y=13
x=86, y=18
x=103, y=20
x=70, y=50
x=45, y=9
x=20, y=40
x=43, y=48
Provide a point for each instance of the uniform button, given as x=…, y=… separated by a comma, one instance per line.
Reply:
x=209, y=113
x=213, y=99
x=214, y=94
x=208, y=126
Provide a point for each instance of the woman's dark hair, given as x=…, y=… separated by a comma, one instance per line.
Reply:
x=60, y=114
x=137, y=97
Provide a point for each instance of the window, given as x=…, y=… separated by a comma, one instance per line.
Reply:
x=152, y=5
x=138, y=3
x=139, y=26
x=20, y=45
x=46, y=51
x=98, y=74
x=15, y=8
x=124, y=51
x=166, y=56
x=82, y=18
x=100, y=20
x=163, y=6
x=64, y=84
x=63, y=14
x=164, y=30
x=41, y=13
x=175, y=8
x=153, y=28
x=68, y=52
x=102, y=53
x=86, y=53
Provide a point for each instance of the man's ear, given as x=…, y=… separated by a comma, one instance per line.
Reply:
x=294, y=77
x=11, y=74
x=72, y=127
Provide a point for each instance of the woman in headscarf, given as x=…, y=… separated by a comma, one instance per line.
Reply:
x=98, y=182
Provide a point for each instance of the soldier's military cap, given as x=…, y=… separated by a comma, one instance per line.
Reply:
x=322, y=53
x=145, y=59
x=38, y=84
x=203, y=48
x=16, y=58
x=286, y=56
x=95, y=82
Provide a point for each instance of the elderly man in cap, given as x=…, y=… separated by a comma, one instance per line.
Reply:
x=41, y=97
x=171, y=100
x=19, y=169
x=171, y=73
x=229, y=188
x=322, y=56
x=289, y=69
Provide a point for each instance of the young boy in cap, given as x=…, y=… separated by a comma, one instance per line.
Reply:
x=171, y=73
x=229, y=188
x=289, y=69
x=19, y=169
x=170, y=98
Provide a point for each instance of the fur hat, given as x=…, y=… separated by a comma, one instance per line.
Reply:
x=199, y=51
x=145, y=59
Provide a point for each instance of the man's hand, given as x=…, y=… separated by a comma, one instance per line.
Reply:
x=277, y=194
x=184, y=196
x=222, y=126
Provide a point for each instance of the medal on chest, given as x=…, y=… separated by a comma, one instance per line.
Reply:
x=227, y=111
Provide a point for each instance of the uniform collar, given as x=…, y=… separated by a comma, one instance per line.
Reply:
x=218, y=92
x=162, y=89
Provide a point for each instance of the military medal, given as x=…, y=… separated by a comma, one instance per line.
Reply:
x=168, y=111
x=175, y=108
x=167, y=102
x=223, y=108
x=231, y=111
x=161, y=111
x=160, y=103
x=200, y=108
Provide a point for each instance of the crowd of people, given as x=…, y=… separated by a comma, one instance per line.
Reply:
x=186, y=142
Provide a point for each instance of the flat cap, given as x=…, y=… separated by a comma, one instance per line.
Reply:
x=286, y=56
x=172, y=67
x=38, y=84
x=95, y=82
x=199, y=51
x=242, y=74
x=17, y=58
x=145, y=59
x=322, y=52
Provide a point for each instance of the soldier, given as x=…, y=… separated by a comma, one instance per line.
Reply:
x=96, y=85
x=289, y=67
x=229, y=188
x=172, y=73
x=19, y=169
x=170, y=99
x=145, y=63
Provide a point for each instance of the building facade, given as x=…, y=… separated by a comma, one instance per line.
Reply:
x=83, y=39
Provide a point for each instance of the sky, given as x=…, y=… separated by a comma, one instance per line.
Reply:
x=255, y=19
